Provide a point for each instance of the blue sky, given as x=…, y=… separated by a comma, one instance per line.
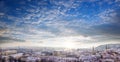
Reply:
x=59, y=22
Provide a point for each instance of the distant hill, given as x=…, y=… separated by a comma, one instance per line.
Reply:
x=102, y=47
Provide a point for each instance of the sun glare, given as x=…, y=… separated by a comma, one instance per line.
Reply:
x=69, y=45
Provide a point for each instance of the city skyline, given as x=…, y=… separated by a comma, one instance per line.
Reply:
x=59, y=23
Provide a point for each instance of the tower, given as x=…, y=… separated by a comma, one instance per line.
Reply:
x=93, y=50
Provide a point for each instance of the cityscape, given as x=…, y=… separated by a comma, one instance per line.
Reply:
x=59, y=30
x=47, y=54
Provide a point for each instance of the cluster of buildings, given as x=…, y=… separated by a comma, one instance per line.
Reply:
x=31, y=55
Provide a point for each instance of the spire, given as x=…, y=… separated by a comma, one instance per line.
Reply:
x=106, y=47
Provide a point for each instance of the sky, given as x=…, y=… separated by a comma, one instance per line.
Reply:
x=59, y=23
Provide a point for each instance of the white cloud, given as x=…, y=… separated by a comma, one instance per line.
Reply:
x=117, y=0
x=1, y=14
x=107, y=15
